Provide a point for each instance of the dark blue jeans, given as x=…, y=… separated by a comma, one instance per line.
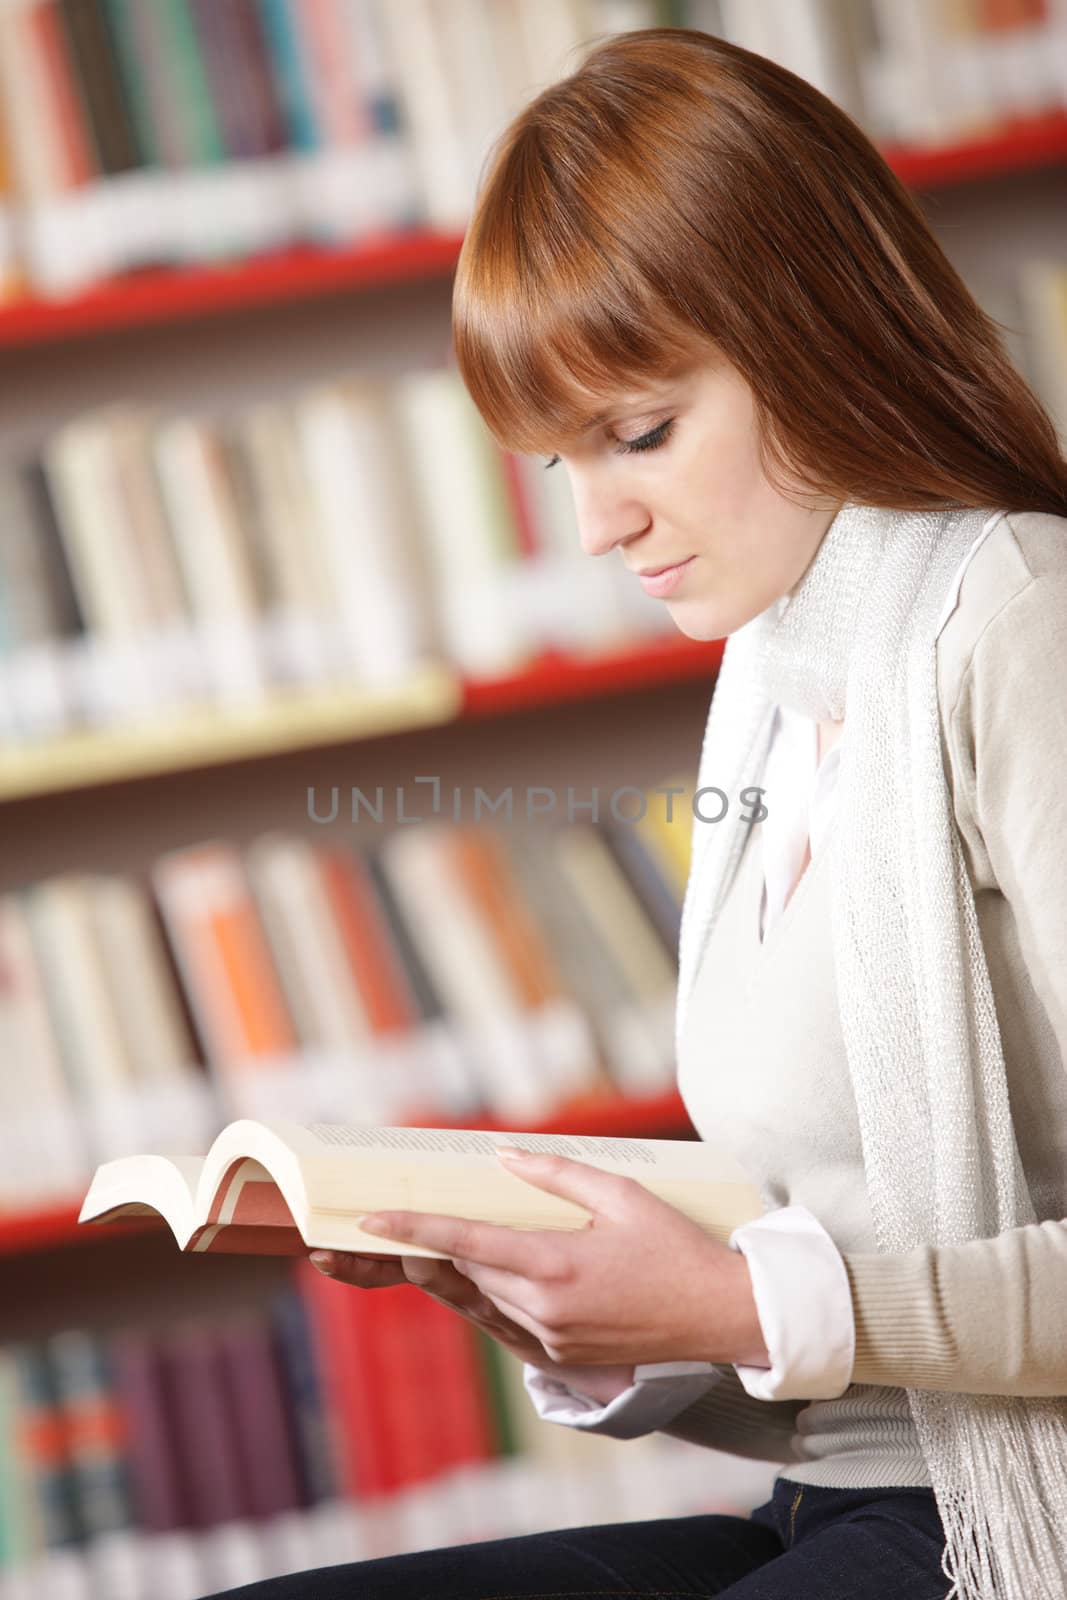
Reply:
x=805, y=1543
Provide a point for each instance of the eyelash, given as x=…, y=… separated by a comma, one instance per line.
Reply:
x=648, y=441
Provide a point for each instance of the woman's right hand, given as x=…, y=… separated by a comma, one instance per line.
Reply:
x=442, y=1282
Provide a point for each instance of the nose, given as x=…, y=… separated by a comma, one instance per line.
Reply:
x=605, y=518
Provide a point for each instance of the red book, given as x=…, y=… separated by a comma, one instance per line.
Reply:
x=460, y=1408
x=411, y=1380
x=345, y=1324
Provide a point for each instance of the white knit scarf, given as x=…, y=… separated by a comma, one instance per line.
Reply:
x=917, y=1009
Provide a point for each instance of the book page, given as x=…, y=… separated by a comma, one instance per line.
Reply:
x=145, y=1185
x=689, y=1158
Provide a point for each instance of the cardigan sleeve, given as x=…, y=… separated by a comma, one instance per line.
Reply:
x=922, y=1317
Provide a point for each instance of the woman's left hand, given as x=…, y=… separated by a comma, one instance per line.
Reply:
x=640, y=1282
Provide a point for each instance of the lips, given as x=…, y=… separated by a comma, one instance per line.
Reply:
x=666, y=580
x=654, y=572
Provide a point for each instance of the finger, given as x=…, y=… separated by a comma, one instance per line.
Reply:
x=518, y=1250
x=428, y=1273
x=365, y=1272
x=586, y=1185
x=519, y=1316
x=495, y=1281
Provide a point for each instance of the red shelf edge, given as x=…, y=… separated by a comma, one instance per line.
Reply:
x=302, y=272
x=658, y=1116
x=554, y=677
x=160, y=295
x=1024, y=142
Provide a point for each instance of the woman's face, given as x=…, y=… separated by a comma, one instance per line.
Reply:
x=692, y=490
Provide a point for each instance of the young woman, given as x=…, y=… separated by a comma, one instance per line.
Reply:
x=694, y=281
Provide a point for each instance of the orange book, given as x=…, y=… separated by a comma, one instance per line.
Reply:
x=223, y=956
x=379, y=976
x=485, y=875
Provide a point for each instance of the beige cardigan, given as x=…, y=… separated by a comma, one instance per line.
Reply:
x=985, y=1316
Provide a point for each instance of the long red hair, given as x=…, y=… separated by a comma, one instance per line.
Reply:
x=677, y=198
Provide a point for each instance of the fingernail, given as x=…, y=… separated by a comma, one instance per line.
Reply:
x=510, y=1152
x=323, y=1259
x=375, y=1225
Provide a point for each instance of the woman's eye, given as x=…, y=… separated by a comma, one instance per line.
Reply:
x=647, y=441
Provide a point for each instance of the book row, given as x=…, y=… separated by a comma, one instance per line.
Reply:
x=328, y=1424
x=346, y=535
x=138, y=134
x=443, y=973
x=911, y=72
x=188, y=129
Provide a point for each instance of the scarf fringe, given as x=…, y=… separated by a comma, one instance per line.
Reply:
x=1003, y=1502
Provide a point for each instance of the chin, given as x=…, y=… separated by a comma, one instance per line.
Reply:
x=698, y=623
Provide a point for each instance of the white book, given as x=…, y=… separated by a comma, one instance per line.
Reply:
x=467, y=42
x=59, y=915
x=431, y=110
x=42, y=1137
x=285, y=877
x=100, y=548
x=622, y=16
x=1057, y=48
x=817, y=39
x=749, y=25
x=138, y=976
x=555, y=36
x=307, y=647
x=364, y=519
x=213, y=561
x=910, y=77
x=473, y=982
x=467, y=528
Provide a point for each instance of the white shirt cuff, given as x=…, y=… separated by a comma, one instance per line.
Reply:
x=660, y=1390
x=804, y=1306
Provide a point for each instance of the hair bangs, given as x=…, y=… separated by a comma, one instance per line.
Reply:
x=552, y=321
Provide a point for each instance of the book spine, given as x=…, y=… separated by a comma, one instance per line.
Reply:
x=264, y=1442
x=312, y=1425
x=99, y=73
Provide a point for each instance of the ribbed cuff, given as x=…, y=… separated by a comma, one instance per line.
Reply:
x=903, y=1337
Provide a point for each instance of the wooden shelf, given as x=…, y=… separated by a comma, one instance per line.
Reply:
x=661, y=1116
x=290, y=722
x=302, y=273
x=315, y=719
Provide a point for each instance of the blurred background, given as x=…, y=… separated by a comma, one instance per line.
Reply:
x=268, y=593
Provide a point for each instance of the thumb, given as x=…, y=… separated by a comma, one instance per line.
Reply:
x=574, y=1180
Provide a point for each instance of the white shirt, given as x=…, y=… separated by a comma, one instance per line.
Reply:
x=799, y=1281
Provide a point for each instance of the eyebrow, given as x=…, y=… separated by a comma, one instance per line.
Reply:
x=646, y=402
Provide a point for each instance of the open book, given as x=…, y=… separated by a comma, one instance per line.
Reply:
x=276, y=1188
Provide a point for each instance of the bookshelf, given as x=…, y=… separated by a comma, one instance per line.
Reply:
x=316, y=719
x=303, y=273
x=175, y=294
